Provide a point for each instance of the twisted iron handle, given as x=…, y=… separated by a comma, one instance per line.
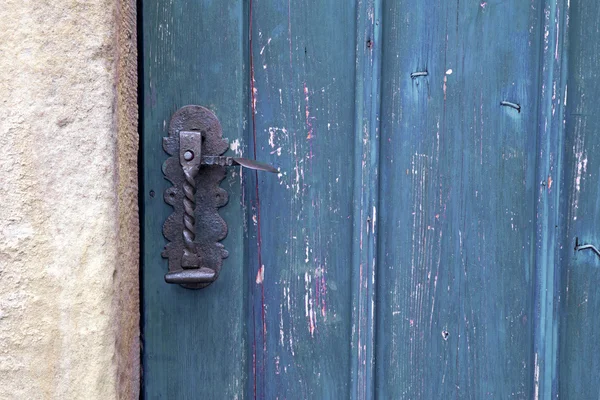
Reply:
x=190, y=157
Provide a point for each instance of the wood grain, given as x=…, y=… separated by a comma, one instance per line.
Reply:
x=418, y=242
x=457, y=213
x=300, y=225
x=549, y=175
x=194, y=341
x=579, y=343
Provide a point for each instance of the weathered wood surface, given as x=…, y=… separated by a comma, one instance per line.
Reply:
x=579, y=345
x=302, y=74
x=194, y=341
x=549, y=190
x=418, y=242
x=457, y=215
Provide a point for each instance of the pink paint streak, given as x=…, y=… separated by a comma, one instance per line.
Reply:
x=308, y=118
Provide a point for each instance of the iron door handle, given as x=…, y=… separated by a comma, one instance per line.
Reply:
x=195, y=168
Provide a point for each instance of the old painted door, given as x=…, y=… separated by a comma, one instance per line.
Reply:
x=439, y=162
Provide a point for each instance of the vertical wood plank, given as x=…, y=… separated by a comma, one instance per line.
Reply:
x=549, y=175
x=579, y=360
x=301, y=101
x=457, y=231
x=417, y=208
x=194, y=341
x=366, y=195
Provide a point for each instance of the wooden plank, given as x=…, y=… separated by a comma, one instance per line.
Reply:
x=453, y=232
x=301, y=269
x=369, y=46
x=194, y=341
x=300, y=225
x=579, y=362
x=457, y=212
x=549, y=174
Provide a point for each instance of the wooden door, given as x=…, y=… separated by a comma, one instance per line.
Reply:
x=438, y=161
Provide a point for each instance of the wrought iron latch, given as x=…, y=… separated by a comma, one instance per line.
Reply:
x=195, y=168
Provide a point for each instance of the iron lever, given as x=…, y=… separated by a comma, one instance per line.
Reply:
x=195, y=168
x=244, y=162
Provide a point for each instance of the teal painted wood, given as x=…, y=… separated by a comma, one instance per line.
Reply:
x=418, y=242
x=194, y=341
x=579, y=362
x=297, y=270
x=457, y=214
x=367, y=94
x=549, y=174
x=302, y=315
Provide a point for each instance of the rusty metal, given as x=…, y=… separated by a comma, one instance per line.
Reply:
x=579, y=247
x=414, y=75
x=195, y=228
x=195, y=168
x=511, y=105
x=190, y=144
x=191, y=275
x=244, y=162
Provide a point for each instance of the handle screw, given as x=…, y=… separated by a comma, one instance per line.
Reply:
x=188, y=156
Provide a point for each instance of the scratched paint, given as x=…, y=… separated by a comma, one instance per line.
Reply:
x=551, y=147
x=418, y=241
x=456, y=212
x=306, y=213
x=180, y=67
x=579, y=336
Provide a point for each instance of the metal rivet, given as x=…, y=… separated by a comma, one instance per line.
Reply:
x=579, y=247
x=417, y=74
x=188, y=155
x=516, y=106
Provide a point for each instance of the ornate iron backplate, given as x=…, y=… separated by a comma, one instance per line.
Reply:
x=195, y=228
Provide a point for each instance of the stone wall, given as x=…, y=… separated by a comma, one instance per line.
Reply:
x=69, y=297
